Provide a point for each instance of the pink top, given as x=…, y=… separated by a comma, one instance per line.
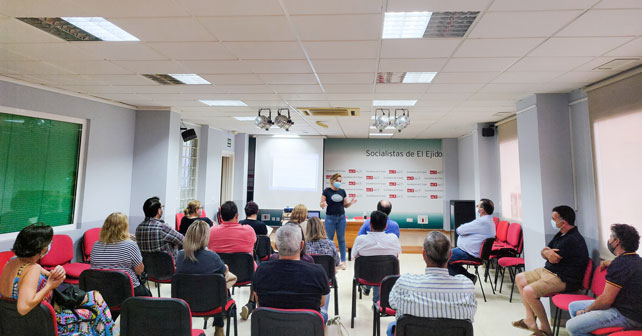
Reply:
x=232, y=238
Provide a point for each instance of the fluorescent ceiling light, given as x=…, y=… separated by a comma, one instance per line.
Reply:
x=101, y=28
x=394, y=102
x=418, y=77
x=382, y=134
x=245, y=118
x=192, y=79
x=405, y=24
x=223, y=102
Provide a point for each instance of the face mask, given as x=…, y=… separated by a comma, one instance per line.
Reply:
x=48, y=249
x=554, y=224
x=337, y=184
x=611, y=248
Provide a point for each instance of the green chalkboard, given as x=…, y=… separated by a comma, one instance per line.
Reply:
x=39, y=161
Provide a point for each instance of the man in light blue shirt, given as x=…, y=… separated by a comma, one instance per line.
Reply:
x=471, y=237
x=434, y=294
x=392, y=226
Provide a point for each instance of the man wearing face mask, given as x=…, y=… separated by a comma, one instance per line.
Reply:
x=471, y=237
x=153, y=235
x=566, y=258
x=620, y=305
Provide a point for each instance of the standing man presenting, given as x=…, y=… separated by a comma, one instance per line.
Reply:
x=566, y=258
x=471, y=237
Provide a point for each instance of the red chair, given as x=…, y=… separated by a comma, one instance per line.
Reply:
x=628, y=333
x=90, y=237
x=502, y=232
x=4, y=258
x=156, y=316
x=382, y=307
x=496, y=221
x=277, y=322
x=61, y=253
x=514, y=266
x=512, y=248
x=484, y=258
x=180, y=215
x=562, y=300
x=370, y=270
x=40, y=321
x=327, y=262
x=608, y=331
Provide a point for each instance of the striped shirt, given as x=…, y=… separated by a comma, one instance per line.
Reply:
x=123, y=255
x=434, y=294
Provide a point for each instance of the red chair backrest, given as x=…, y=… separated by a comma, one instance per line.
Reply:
x=502, y=231
x=4, y=257
x=90, y=237
x=62, y=251
x=514, y=235
x=496, y=220
x=599, y=281
x=179, y=217
x=586, y=280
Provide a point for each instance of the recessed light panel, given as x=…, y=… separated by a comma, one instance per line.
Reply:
x=394, y=102
x=405, y=24
x=418, y=77
x=245, y=118
x=190, y=79
x=101, y=28
x=223, y=102
x=382, y=134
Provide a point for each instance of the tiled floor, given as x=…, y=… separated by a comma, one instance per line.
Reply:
x=492, y=317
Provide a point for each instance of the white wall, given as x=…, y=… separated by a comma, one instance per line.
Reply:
x=109, y=154
x=466, y=171
x=212, y=143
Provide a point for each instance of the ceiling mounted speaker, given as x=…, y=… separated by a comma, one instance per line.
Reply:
x=488, y=131
x=188, y=135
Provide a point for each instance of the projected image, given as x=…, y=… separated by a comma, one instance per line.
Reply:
x=298, y=172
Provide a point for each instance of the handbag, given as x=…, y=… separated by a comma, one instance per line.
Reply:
x=334, y=327
x=72, y=298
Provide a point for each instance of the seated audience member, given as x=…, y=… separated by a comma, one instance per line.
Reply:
x=299, y=216
x=376, y=242
x=153, y=235
x=251, y=213
x=232, y=237
x=566, y=257
x=115, y=250
x=25, y=281
x=193, y=212
x=436, y=293
x=620, y=305
x=288, y=283
x=304, y=256
x=195, y=258
x=318, y=243
x=391, y=226
x=471, y=238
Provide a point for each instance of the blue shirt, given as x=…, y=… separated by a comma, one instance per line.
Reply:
x=392, y=227
x=434, y=294
x=473, y=234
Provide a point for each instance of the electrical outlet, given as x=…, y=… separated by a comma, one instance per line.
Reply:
x=265, y=217
x=422, y=219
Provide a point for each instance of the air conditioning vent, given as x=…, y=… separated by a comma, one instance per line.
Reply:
x=163, y=79
x=329, y=111
x=616, y=63
x=59, y=28
x=449, y=24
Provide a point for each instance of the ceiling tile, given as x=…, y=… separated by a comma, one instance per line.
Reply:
x=153, y=67
x=511, y=5
x=598, y=61
x=32, y=68
x=435, y=88
x=308, y=7
x=397, y=96
x=549, y=63
x=604, y=22
x=342, y=49
x=107, y=9
x=265, y=50
x=231, y=8
x=578, y=46
x=436, y=5
x=15, y=31
x=233, y=79
x=192, y=50
x=353, y=78
x=338, y=27
x=464, y=77
x=619, y=4
x=401, y=88
x=343, y=66
x=8, y=55
x=215, y=67
x=478, y=64
x=497, y=47
x=50, y=51
x=526, y=77
x=302, y=96
x=289, y=66
x=249, y=28
x=511, y=24
x=633, y=48
x=120, y=51
x=296, y=88
x=350, y=97
x=403, y=65
x=169, y=29
x=91, y=67
x=288, y=78
x=418, y=48
x=348, y=88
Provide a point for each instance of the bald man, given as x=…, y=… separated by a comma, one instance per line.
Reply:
x=392, y=226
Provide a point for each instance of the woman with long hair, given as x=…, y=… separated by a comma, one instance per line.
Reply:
x=25, y=281
x=116, y=250
x=335, y=200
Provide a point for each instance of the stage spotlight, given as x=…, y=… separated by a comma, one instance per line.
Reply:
x=263, y=121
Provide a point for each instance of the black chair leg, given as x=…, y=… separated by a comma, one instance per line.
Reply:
x=501, y=285
x=512, y=283
x=374, y=320
x=481, y=285
x=205, y=323
x=354, y=303
x=491, y=281
x=336, y=299
x=227, y=323
x=236, y=331
x=158, y=287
